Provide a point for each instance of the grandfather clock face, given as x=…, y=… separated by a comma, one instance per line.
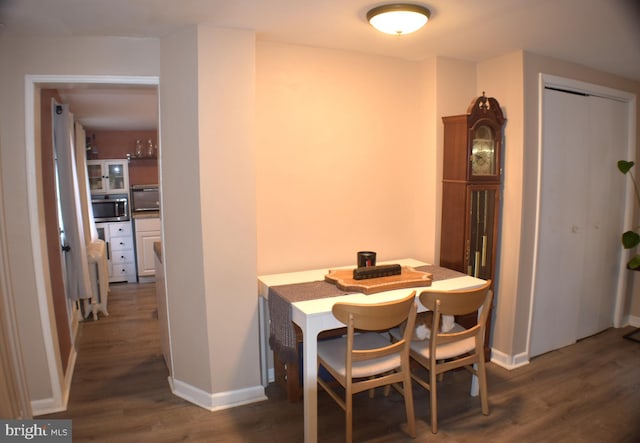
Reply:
x=483, y=151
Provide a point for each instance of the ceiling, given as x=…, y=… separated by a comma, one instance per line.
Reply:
x=601, y=34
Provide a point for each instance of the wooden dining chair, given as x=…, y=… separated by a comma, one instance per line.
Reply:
x=365, y=358
x=456, y=348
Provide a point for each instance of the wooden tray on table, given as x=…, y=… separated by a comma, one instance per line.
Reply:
x=409, y=278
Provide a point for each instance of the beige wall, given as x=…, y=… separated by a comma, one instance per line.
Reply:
x=503, y=77
x=181, y=211
x=209, y=207
x=344, y=159
x=227, y=162
x=454, y=89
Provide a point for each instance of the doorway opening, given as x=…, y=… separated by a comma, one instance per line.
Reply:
x=59, y=374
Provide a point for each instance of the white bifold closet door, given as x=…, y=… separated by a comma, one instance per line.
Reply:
x=582, y=207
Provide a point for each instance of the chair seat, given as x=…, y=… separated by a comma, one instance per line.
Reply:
x=333, y=352
x=444, y=351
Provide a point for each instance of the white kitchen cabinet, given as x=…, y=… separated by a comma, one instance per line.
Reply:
x=120, y=250
x=147, y=233
x=108, y=176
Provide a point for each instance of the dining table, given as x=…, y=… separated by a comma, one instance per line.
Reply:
x=313, y=314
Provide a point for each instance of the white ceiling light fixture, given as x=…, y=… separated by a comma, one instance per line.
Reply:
x=398, y=18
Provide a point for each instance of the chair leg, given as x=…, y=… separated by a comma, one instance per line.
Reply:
x=434, y=399
x=482, y=380
x=348, y=413
x=441, y=376
x=372, y=391
x=408, y=403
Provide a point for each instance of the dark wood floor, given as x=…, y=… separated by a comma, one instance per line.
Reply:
x=588, y=392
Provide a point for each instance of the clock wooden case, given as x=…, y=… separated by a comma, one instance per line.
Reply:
x=471, y=190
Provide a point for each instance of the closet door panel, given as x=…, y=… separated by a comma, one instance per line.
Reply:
x=563, y=214
x=582, y=198
x=606, y=190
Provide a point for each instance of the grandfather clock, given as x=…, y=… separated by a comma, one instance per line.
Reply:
x=472, y=178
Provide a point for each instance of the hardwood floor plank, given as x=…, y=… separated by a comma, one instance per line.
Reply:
x=587, y=392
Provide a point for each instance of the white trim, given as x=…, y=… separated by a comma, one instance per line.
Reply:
x=57, y=402
x=45, y=406
x=52, y=405
x=65, y=80
x=509, y=361
x=634, y=321
x=623, y=281
x=8, y=320
x=545, y=80
x=536, y=232
x=554, y=81
x=217, y=401
x=51, y=350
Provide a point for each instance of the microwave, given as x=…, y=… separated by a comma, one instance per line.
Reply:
x=145, y=198
x=110, y=207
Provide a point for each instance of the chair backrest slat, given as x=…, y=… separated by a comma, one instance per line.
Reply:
x=460, y=302
x=374, y=317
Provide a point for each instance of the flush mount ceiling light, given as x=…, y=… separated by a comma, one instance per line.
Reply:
x=398, y=18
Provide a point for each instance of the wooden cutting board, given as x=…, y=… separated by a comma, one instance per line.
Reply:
x=409, y=278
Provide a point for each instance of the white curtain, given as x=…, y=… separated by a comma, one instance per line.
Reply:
x=90, y=231
x=77, y=267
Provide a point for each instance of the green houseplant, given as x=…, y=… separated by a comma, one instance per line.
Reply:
x=631, y=238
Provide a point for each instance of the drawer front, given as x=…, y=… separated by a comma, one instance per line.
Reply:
x=120, y=229
x=124, y=256
x=123, y=269
x=147, y=224
x=121, y=244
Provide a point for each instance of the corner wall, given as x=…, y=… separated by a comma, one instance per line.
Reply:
x=208, y=180
x=502, y=77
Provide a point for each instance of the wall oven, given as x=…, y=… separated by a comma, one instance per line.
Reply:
x=110, y=207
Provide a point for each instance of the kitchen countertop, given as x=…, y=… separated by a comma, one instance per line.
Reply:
x=146, y=214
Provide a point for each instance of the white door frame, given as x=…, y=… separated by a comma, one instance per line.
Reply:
x=547, y=80
x=60, y=384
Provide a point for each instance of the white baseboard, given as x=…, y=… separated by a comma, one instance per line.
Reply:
x=68, y=377
x=515, y=361
x=509, y=361
x=52, y=405
x=45, y=406
x=217, y=401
